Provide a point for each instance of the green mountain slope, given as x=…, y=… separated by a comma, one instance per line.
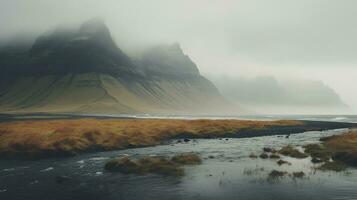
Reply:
x=102, y=93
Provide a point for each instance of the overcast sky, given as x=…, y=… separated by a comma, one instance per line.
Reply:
x=315, y=39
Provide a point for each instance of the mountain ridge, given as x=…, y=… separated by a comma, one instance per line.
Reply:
x=85, y=71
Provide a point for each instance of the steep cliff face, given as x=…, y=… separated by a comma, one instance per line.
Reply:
x=85, y=71
x=168, y=60
x=90, y=49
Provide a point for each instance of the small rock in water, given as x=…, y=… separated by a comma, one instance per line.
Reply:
x=287, y=136
x=186, y=140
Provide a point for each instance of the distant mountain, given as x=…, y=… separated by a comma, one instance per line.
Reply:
x=268, y=95
x=85, y=71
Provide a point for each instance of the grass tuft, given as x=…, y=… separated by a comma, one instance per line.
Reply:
x=187, y=159
x=292, y=152
x=298, y=174
x=264, y=156
x=153, y=164
x=276, y=175
x=282, y=162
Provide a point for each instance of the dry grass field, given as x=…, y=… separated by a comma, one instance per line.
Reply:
x=48, y=138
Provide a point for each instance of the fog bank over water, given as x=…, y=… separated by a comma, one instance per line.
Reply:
x=286, y=39
x=268, y=95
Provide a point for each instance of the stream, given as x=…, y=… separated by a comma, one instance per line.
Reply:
x=227, y=172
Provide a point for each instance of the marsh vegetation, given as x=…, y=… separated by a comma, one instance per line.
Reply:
x=153, y=164
x=53, y=138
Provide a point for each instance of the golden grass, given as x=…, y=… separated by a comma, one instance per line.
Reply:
x=342, y=148
x=43, y=138
x=344, y=142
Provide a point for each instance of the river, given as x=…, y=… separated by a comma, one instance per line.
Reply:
x=227, y=172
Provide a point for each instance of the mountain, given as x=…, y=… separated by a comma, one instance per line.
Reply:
x=84, y=71
x=168, y=60
x=269, y=95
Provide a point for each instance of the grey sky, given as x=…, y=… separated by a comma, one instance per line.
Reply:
x=315, y=39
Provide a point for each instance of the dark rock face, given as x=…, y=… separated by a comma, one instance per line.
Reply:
x=168, y=60
x=90, y=49
x=64, y=51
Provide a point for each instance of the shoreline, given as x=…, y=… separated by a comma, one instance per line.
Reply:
x=7, y=117
x=51, y=138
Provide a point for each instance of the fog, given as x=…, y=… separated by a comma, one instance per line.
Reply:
x=269, y=95
x=285, y=39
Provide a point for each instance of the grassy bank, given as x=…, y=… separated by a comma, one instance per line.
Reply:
x=51, y=138
x=341, y=148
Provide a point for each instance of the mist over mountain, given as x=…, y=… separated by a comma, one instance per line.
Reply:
x=84, y=70
x=167, y=59
x=270, y=95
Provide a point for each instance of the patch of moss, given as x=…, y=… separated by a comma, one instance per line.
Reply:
x=300, y=174
x=347, y=157
x=316, y=160
x=318, y=151
x=292, y=152
x=282, y=162
x=187, y=159
x=276, y=175
x=342, y=149
x=264, y=156
x=333, y=166
x=123, y=165
x=153, y=164
x=269, y=150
